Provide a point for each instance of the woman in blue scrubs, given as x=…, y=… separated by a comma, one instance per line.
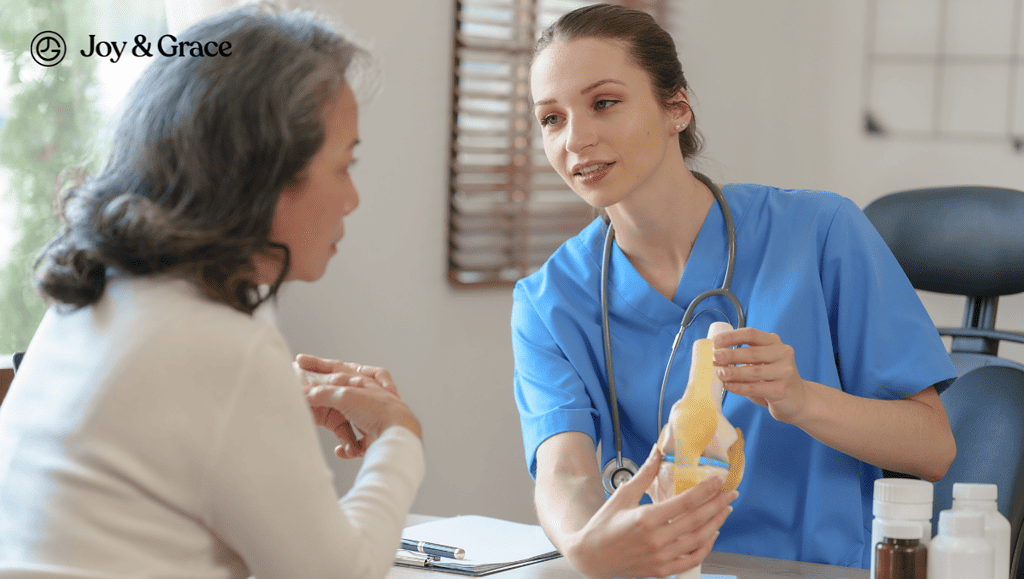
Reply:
x=835, y=377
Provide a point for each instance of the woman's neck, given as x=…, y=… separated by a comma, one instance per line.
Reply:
x=657, y=230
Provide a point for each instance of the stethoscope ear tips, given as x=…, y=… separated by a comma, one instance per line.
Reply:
x=615, y=475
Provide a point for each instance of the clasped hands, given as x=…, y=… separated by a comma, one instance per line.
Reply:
x=355, y=402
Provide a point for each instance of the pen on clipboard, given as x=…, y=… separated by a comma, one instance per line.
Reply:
x=433, y=549
x=414, y=559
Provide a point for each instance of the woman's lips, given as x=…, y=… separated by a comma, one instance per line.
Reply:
x=593, y=173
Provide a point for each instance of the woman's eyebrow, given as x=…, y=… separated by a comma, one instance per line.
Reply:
x=585, y=90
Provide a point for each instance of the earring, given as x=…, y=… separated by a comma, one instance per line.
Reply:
x=681, y=127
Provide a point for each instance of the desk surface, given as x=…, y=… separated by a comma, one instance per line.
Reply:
x=742, y=566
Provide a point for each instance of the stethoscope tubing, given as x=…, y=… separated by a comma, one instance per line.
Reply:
x=688, y=316
x=730, y=264
x=606, y=332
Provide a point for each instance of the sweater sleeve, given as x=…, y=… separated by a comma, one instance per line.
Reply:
x=383, y=492
x=269, y=491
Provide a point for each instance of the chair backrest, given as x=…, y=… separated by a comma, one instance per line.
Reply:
x=956, y=240
x=986, y=413
x=966, y=241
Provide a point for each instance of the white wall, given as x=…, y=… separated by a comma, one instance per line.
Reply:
x=777, y=88
x=385, y=299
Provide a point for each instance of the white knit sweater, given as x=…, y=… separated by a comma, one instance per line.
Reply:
x=159, y=434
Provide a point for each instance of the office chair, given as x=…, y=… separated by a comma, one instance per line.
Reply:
x=965, y=241
x=969, y=241
x=7, y=376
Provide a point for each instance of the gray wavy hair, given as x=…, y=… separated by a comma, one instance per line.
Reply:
x=200, y=156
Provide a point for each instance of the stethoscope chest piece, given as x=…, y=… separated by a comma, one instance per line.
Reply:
x=615, y=474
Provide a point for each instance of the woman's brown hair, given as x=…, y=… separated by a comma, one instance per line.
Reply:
x=647, y=43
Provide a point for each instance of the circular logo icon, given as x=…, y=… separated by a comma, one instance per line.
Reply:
x=48, y=48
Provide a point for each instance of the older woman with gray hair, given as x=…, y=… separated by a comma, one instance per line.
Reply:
x=156, y=427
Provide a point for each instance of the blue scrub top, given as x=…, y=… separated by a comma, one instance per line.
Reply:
x=811, y=268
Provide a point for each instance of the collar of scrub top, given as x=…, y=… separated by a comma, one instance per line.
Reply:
x=611, y=473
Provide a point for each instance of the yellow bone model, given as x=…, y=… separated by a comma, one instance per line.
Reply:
x=698, y=428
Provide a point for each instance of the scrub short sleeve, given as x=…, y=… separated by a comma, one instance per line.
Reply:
x=549, y=392
x=886, y=344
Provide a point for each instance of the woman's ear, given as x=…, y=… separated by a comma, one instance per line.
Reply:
x=679, y=108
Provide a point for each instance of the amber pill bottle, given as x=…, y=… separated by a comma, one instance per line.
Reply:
x=900, y=554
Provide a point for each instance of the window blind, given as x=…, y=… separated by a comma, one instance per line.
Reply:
x=508, y=209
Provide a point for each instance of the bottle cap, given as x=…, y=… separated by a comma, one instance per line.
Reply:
x=961, y=524
x=899, y=512
x=903, y=491
x=902, y=530
x=975, y=491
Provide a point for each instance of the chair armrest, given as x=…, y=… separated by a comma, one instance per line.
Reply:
x=1001, y=335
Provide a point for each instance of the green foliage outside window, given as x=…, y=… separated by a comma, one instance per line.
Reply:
x=50, y=127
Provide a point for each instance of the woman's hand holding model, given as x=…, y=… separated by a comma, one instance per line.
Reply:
x=765, y=371
x=626, y=539
x=344, y=395
x=619, y=537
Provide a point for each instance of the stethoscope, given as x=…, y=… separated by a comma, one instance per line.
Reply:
x=620, y=469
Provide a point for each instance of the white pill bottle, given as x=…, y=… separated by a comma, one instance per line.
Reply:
x=960, y=550
x=901, y=499
x=982, y=498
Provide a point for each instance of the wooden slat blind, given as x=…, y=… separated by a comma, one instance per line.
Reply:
x=508, y=209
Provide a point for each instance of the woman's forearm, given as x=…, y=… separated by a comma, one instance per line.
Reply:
x=565, y=504
x=910, y=436
x=568, y=490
